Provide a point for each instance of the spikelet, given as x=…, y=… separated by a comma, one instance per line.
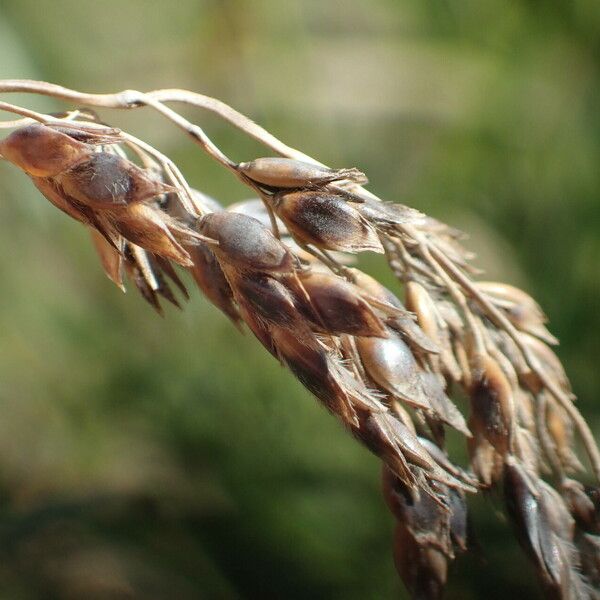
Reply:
x=245, y=243
x=520, y=308
x=336, y=306
x=427, y=535
x=544, y=528
x=327, y=221
x=43, y=152
x=148, y=227
x=289, y=173
x=107, y=192
x=390, y=363
x=492, y=405
x=105, y=180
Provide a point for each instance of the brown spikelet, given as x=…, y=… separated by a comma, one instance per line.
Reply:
x=150, y=228
x=327, y=221
x=289, y=173
x=105, y=180
x=336, y=306
x=211, y=280
x=544, y=528
x=267, y=298
x=310, y=364
x=392, y=366
x=427, y=535
x=520, y=308
x=42, y=151
x=419, y=301
x=110, y=257
x=245, y=243
x=492, y=404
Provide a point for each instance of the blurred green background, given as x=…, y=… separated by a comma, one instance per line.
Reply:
x=156, y=458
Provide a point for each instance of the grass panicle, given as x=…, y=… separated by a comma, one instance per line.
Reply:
x=386, y=367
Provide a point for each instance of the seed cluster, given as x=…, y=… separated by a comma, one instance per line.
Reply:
x=385, y=368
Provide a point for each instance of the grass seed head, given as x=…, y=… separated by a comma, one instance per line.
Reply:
x=381, y=370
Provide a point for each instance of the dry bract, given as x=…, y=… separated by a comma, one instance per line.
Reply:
x=336, y=306
x=492, y=405
x=326, y=221
x=427, y=535
x=111, y=258
x=385, y=370
x=245, y=243
x=43, y=152
x=211, y=280
x=288, y=173
x=544, y=528
x=106, y=180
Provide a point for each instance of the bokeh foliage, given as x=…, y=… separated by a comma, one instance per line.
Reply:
x=157, y=458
